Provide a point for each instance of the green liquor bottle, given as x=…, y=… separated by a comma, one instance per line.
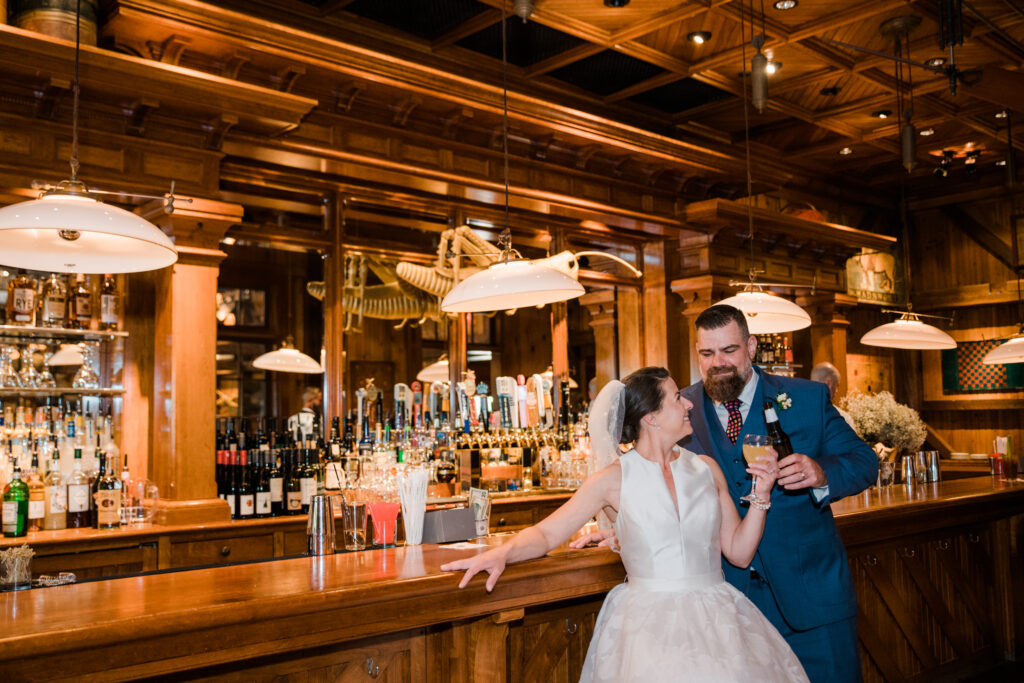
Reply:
x=15, y=506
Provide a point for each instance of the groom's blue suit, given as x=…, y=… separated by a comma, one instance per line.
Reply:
x=800, y=576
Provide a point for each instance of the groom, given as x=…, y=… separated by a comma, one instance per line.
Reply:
x=800, y=577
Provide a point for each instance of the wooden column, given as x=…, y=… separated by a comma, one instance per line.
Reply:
x=335, y=400
x=828, y=331
x=184, y=365
x=660, y=346
x=601, y=306
x=697, y=294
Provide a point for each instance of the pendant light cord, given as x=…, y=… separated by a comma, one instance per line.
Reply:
x=74, y=93
x=746, y=129
x=505, y=239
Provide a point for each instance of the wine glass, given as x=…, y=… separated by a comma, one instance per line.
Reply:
x=755, y=447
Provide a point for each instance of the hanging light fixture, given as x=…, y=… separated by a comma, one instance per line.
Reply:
x=287, y=358
x=1012, y=350
x=68, y=229
x=509, y=282
x=898, y=30
x=765, y=312
x=908, y=332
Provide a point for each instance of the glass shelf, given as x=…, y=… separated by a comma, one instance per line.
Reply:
x=22, y=332
x=59, y=391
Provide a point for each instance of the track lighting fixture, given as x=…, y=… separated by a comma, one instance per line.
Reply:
x=523, y=9
x=971, y=162
x=699, y=37
x=882, y=113
x=945, y=165
x=783, y=5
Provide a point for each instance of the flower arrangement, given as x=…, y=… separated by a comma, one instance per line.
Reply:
x=878, y=418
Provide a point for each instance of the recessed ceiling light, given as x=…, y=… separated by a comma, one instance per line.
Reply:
x=785, y=4
x=1001, y=115
x=616, y=3
x=882, y=113
x=772, y=67
x=699, y=37
x=936, y=61
x=830, y=91
x=928, y=131
x=846, y=151
x=1001, y=162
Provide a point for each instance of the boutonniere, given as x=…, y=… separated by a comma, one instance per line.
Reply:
x=783, y=401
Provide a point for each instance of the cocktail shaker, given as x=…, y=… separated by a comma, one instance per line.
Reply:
x=320, y=526
x=908, y=469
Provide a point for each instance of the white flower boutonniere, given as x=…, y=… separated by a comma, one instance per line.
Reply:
x=783, y=401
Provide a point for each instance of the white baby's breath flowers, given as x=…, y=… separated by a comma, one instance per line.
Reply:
x=878, y=418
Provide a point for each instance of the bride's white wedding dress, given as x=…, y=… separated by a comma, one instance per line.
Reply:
x=676, y=618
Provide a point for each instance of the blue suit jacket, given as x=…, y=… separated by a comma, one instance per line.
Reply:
x=801, y=555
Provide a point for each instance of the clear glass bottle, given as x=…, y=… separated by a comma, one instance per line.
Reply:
x=56, y=516
x=36, y=495
x=53, y=308
x=78, y=495
x=21, y=299
x=110, y=304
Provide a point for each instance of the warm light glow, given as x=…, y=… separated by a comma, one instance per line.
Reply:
x=287, y=359
x=772, y=67
x=699, y=37
x=846, y=151
x=78, y=234
x=768, y=313
x=908, y=333
x=1010, y=351
x=785, y=4
x=512, y=284
x=928, y=131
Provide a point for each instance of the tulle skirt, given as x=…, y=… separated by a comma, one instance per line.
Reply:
x=712, y=634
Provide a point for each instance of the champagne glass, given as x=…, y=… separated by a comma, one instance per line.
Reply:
x=755, y=447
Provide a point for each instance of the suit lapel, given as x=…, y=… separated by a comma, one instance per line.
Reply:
x=699, y=421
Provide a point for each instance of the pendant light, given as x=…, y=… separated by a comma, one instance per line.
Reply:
x=287, y=358
x=1012, y=350
x=908, y=332
x=765, y=312
x=68, y=229
x=510, y=282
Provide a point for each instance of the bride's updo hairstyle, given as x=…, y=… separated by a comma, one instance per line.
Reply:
x=643, y=395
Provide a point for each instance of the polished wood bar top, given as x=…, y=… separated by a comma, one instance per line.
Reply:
x=353, y=595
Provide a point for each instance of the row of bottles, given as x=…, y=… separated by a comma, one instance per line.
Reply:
x=773, y=349
x=37, y=500
x=57, y=301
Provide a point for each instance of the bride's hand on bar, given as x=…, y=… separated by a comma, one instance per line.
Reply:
x=604, y=539
x=492, y=562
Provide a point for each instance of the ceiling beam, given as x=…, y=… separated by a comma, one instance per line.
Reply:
x=485, y=19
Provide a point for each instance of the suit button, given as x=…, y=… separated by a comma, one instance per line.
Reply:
x=739, y=484
x=736, y=460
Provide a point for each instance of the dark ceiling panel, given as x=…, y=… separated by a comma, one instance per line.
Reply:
x=606, y=72
x=680, y=96
x=528, y=43
x=427, y=19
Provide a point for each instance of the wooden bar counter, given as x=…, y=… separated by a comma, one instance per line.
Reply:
x=935, y=568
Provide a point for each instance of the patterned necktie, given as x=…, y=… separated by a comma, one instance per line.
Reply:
x=735, y=424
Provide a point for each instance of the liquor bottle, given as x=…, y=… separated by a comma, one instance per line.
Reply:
x=94, y=485
x=56, y=516
x=54, y=306
x=78, y=495
x=21, y=300
x=36, y=495
x=80, y=309
x=108, y=497
x=15, y=506
x=780, y=440
x=229, y=469
x=787, y=351
x=109, y=304
x=246, y=490
x=275, y=476
x=333, y=465
x=293, y=484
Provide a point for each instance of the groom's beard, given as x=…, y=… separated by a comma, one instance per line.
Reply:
x=723, y=384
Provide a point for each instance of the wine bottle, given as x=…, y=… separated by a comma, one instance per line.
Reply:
x=262, y=484
x=246, y=491
x=275, y=477
x=293, y=484
x=108, y=304
x=108, y=497
x=78, y=495
x=15, y=506
x=780, y=440
x=101, y=473
x=333, y=464
x=307, y=481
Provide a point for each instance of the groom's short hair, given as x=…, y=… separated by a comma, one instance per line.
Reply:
x=721, y=315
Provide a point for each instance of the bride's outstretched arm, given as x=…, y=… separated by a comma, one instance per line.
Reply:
x=739, y=538
x=599, y=490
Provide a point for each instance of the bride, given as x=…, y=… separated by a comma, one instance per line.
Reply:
x=674, y=520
